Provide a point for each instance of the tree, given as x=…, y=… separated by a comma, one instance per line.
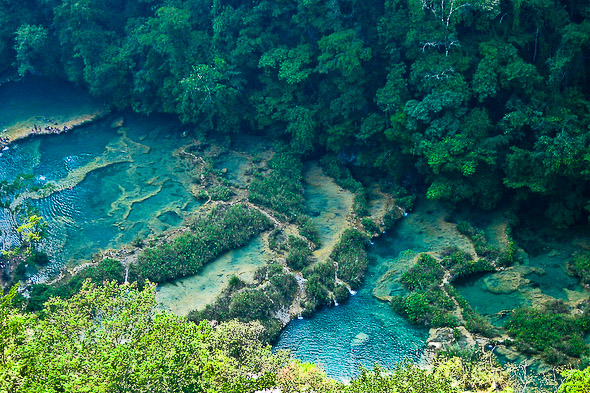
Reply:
x=111, y=339
x=25, y=227
x=30, y=46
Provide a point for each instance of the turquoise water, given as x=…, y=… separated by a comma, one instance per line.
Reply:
x=195, y=292
x=362, y=330
x=34, y=99
x=113, y=183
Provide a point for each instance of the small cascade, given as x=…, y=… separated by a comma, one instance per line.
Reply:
x=300, y=280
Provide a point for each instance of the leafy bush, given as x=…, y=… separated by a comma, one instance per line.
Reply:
x=38, y=258
x=425, y=274
x=370, y=226
x=431, y=308
x=277, y=240
x=281, y=190
x=579, y=265
x=308, y=230
x=223, y=229
x=299, y=253
x=320, y=282
x=244, y=302
x=545, y=331
x=351, y=256
x=460, y=264
x=220, y=193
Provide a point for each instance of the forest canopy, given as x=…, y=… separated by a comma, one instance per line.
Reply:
x=483, y=101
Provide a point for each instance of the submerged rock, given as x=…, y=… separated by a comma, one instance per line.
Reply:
x=359, y=339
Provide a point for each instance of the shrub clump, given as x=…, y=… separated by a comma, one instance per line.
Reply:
x=351, y=256
x=299, y=253
x=579, y=266
x=461, y=264
x=223, y=229
x=275, y=289
x=280, y=190
x=321, y=280
x=431, y=308
x=425, y=274
x=556, y=335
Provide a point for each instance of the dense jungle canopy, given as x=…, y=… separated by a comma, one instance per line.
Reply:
x=482, y=101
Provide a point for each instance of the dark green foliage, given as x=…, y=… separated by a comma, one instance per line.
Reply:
x=38, y=258
x=460, y=264
x=425, y=274
x=579, y=265
x=223, y=229
x=299, y=253
x=350, y=255
x=281, y=189
x=370, y=226
x=104, y=271
x=431, y=308
x=308, y=230
x=341, y=293
x=320, y=282
x=553, y=334
x=286, y=287
x=251, y=302
x=220, y=193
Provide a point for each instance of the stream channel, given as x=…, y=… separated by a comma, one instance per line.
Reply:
x=117, y=178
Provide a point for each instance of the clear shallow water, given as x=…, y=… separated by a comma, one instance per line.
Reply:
x=113, y=183
x=195, y=292
x=362, y=330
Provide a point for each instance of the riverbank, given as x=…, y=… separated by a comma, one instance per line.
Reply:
x=48, y=126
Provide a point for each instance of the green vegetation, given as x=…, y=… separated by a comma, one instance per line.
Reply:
x=350, y=255
x=110, y=338
x=431, y=303
x=432, y=308
x=425, y=274
x=370, y=227
x=299, y=253
x=320, y=283
x=281, y=189
x=106, y=270
x=308, y=230
x=550, y=331
x=460, y=264
x=222, y=229
x=274, y=290
x=579, y=265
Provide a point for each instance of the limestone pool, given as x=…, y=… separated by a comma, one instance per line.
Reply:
x=362, y=330
x=114, y=179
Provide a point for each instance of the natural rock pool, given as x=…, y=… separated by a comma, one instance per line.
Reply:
x=120, y=177
x=114, y=179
